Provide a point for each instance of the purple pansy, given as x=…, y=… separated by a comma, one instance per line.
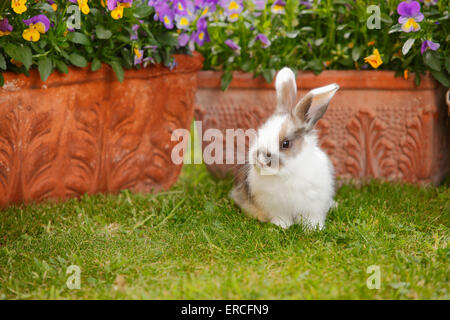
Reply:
x=138, y=56
x=112, y=4
x=232, y=45
x=410, y=15
x=134, y=32
x=278, y=7
x=428, y=44
x=183, y=39
x=164, y=14
x=40, y=18
x=5, y=27
x=259, y=4
x=232, y=9
x=263, y=39
x=308, y=3
x=202, y=32
x=183, y=21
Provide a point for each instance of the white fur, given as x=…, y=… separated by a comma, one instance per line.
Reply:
x=301, y=191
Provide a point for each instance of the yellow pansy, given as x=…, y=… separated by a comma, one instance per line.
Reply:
x=233, y=5
x=19, y=6
x=32, y=33
x=117, y=13
x=234, y=16
x=374, y=59
x=410, y=24
x=137, y=53
x=84, y=7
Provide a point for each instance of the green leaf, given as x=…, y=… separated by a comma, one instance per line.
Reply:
x=143, y=12
x=2, y=80
x=431, y=59
x=408, y=45
x=417, y=79
x=268, y=74
x=96, y=64
x=2, y=62
x=315, y=65
x=102, y=33
x=441, y=77
x=447, y=64
x=77, y=60
x=166, y=39
x=78, y=37
x=118, y=70
x=45, y=67
x=22, y=54
x=356, y=53
x=226, y=80
x=62, y=66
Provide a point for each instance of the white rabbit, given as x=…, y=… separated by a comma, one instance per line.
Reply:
x=289, y=179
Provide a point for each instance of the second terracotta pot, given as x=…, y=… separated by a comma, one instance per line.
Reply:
x=377, y=125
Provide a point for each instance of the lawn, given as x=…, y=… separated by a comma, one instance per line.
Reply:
x=193, y=242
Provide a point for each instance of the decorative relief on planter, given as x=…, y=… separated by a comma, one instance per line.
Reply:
x=377, y=126
x=87, y=133
x=416, y=162
x=369, y=152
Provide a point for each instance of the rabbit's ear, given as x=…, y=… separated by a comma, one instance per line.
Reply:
x=313, y=106
x=286, y=88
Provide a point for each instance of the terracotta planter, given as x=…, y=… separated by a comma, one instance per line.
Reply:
x=377, y=126
x=87, y=133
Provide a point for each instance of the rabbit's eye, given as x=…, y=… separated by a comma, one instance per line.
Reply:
x=285, y=144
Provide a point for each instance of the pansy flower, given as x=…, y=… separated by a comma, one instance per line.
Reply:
x=164, y=14
x=207, y=7
x=308, y=3
x=410, y=15
x=183, y=7
x=374, y=59
x=202, y=32
x=259, y=4
x=232, y=45
x=134, y=31
x=278, y=7
x=37, y=25
x=183, y=39
x=138, y=56
x=232, y=9
x=183, y=21
x=5, y=27
x=263, y=39
x=116, y=7
x=83, y=5
x=19, y=6
x=428, y=44
x=428, y=3
x=53, y=4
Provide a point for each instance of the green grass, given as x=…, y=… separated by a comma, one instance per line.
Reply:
x=192, y=242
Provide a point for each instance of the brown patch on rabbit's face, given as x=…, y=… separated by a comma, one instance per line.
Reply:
x=291, y=137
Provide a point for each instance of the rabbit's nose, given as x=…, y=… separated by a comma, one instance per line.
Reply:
x=264, y=157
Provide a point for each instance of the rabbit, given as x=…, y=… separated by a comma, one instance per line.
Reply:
x=288, y=178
